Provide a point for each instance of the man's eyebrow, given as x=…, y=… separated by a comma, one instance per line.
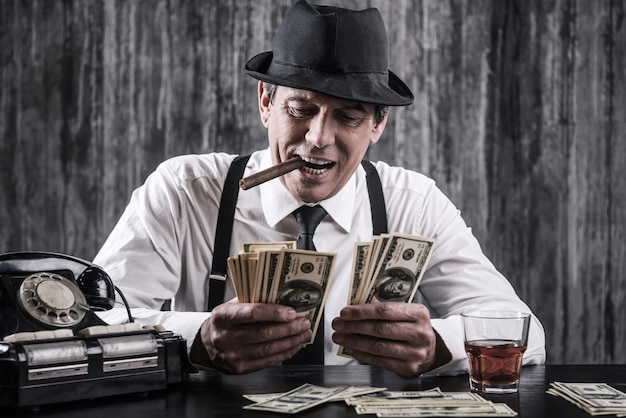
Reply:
x=298, y=98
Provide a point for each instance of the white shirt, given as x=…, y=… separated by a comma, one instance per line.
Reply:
x=162, y=247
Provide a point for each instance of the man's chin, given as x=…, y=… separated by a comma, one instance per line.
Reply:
x=308, y=188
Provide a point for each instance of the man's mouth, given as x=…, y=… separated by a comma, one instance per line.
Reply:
x=316, y=166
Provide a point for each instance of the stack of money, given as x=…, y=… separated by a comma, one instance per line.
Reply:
x=594, y=398
x=279, y=273
x=388, y=269
x=383, y=403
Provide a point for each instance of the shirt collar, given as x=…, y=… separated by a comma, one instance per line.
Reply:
x=278, y=203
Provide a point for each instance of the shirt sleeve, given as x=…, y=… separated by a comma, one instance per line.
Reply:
x=143, y=254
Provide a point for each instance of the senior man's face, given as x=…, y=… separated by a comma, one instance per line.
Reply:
x=330, y=134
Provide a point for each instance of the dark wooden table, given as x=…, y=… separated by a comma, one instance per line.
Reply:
x=209, y=394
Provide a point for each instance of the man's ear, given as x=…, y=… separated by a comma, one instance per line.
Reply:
x=265, y=104
x=378, y=128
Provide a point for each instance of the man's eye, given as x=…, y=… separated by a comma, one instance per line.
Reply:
x=349, y=119
x=299, y=112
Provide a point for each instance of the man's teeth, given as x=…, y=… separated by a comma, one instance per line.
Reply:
x=314, y=161
x=313, y=170
x=321, y=165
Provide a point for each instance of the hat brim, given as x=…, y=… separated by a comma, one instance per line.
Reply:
x=381, y=89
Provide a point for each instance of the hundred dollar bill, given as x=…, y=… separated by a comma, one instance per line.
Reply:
x=493, y=410
x=387, y=396
x=378, y=244
x=262, y=397
x=248, y=262
x=392, y=399
x=359, y=266
x=594, y=398
x=247, y=269
x=297, y=400
x=301, y=280
x=400, y=269
x=235, y=275
x=347, y=392
x=254, y=247
x=353, y=391
x=268, y=273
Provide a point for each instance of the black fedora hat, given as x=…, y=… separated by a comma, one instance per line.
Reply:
x=334, y=51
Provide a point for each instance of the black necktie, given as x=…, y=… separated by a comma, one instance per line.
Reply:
x=308, y=218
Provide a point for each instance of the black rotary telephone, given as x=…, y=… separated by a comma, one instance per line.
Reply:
x=49, y=291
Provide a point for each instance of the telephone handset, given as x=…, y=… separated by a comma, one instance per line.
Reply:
x=48, y=291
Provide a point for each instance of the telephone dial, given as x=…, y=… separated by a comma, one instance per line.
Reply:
x=52, y=339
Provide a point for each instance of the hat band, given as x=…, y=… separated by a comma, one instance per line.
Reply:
x=351, y=85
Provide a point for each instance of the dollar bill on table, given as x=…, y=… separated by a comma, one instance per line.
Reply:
x=381, y=402
x=594, y=398
x=297, y=400
x=493, y=410
x=301, y=280
x=436, y=404
x=351, y=391
x=386, y=396
x=348, y=392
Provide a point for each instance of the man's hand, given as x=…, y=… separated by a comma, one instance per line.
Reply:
x=393, y=335
x=245, y=337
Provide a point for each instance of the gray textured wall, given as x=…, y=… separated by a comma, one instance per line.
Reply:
x=519, y=115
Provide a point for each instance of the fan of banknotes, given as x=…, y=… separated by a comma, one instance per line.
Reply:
x=389, y=268
x=594, y=398
x=383, y=403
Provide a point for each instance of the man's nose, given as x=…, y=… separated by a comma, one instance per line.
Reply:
x=321, y=131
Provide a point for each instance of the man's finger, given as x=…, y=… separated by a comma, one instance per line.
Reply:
x=243, y=313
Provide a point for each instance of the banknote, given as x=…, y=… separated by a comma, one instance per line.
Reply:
x=248, y=269
x=301, y=280
x=235, y=275
x=419, y=398
x=247, y=264
x=346, y=393
x=399, y=270
x=594, y=398
x=381, y=402
x=387, y=396
x=255, y=247
x=360, y=260
x=378, y=244
x=492, y=410
x=268, y=273
x=297, y=400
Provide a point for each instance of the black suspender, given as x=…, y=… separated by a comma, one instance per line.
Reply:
x=377, y=199
x=225, y=217
x=223, y=231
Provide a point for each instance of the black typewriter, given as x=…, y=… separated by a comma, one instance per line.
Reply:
x=54, y=348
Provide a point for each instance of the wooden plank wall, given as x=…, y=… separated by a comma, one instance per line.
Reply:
x=520, y=116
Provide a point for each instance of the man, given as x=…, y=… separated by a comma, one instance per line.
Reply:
x=323, y=95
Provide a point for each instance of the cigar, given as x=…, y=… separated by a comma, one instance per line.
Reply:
x=271, y=173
